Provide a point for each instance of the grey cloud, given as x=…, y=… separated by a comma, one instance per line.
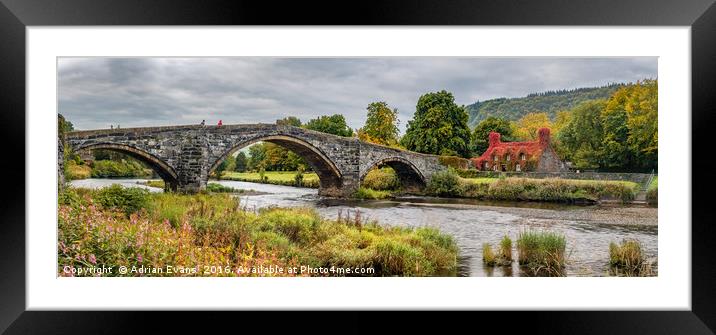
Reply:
x=97, y=92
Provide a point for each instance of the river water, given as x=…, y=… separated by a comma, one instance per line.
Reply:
x=588, y=229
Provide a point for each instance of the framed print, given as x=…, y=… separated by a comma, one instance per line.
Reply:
x=189, y=158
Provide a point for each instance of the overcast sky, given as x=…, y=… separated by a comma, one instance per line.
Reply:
x=97, y=92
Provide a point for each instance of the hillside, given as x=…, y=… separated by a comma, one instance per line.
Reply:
x=550, y=102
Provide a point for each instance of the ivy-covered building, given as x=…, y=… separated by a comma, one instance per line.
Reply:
x=538, y=156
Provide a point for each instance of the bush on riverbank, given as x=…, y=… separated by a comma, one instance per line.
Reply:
x=448, y=183
x=445, y=183
x=542, y=253
x=189, y=231
x=119, y=169
x=384, y=179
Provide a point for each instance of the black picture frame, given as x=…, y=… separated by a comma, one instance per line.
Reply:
x=16, y=15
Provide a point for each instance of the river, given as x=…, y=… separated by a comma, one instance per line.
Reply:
x=588, y=229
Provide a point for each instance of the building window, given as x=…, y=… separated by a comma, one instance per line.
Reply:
x=522, y=157
x=487, y=166
x=517, y=167
x=496, y=167
x=507, y=157
x=494, y=158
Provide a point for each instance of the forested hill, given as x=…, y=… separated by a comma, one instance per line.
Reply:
x=550, y=102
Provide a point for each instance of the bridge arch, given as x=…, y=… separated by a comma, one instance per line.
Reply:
x=330, y=177
x=166, y=172
x=411, y=178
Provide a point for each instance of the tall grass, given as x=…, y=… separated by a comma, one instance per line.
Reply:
x=628, y=259
x=488, y=255
x=190, y=231
x=367, y=193
x=506, y=248
x=542, y=253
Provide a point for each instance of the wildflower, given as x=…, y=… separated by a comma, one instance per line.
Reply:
x=92, y=259
x=139, y=258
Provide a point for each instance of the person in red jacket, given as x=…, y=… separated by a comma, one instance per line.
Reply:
x=220, y=123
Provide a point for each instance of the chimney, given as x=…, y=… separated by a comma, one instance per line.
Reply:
x=544, y=136
x=494, y=138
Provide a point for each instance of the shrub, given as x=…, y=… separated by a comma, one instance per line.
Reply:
x=444, y=183
x=129, y=200
x=384, y=179
x=298, y=178
x=542, y=252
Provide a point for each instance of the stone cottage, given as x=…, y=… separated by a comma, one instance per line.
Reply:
x=537, y=156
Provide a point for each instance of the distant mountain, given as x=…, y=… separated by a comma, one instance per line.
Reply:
x=550, y=102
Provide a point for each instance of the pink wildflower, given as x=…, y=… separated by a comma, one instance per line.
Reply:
x=92, y=259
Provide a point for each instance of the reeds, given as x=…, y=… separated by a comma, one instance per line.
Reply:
x=628, y=259
x=542, y=253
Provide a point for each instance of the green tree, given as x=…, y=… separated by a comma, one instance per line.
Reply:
x=333, y=124
x=582, y=138
x=615, y=149
x=381, y=124
x=480, y=137
x=257, y=157
x=439, y=126
x=241, y=162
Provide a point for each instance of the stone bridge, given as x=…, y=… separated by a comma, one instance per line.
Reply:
x=185, y=156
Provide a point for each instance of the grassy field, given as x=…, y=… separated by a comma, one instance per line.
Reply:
x=287, y=178
x=211, y=235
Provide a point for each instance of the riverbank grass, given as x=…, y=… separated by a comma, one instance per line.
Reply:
x=448, y=183
x=542, y=253
x=285, y=178
x=168, y=230
x=364, y=193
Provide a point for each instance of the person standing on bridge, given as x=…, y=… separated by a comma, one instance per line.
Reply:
x=220, y=123
x=203, y=122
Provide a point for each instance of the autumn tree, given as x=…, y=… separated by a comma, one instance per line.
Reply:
x=526, y=128
x=381, y=124
x=439, y=126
